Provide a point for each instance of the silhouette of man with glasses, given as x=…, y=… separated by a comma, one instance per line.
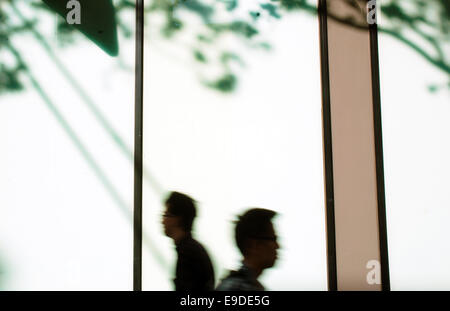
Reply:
x=256, y=239
x=194, y=270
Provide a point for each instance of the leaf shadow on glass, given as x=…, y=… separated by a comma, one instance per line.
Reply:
x=422, y=26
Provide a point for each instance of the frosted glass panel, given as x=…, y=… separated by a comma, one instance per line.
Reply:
x=415, y=103
x=232, y=117
x=66, y=161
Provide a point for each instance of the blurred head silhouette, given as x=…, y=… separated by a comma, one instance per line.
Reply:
x=194, y=270
x=179, y=214
x=256, y=238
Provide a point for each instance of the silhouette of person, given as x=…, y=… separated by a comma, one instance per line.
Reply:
x=194, y=270
x=256, y=239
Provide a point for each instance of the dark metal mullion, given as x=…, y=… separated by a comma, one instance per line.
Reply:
x=328, y=151
x=385, y=280
x=138, y=139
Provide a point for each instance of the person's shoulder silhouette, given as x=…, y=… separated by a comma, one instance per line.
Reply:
x=194, y=270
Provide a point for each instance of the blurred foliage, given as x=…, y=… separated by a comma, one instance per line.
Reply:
x=422, y=25
x=227, y=83
x=9, y=79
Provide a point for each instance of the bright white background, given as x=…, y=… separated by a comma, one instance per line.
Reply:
x=416, y=138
